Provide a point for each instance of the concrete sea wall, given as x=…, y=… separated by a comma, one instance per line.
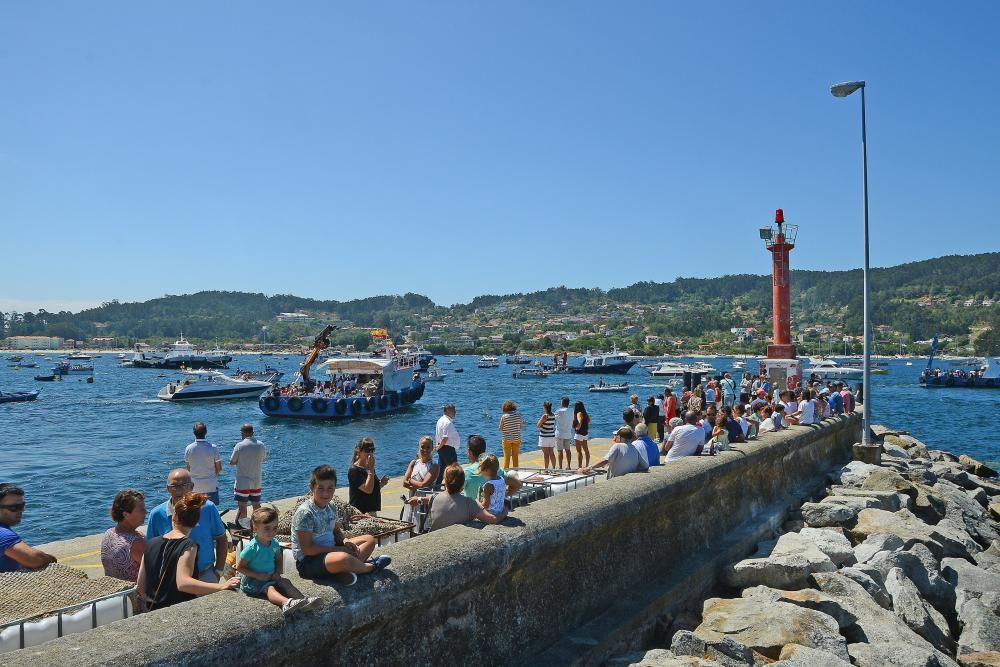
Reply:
x=566, y=580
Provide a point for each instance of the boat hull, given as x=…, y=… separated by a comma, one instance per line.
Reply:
x=211, y=394
x=965, y=383
x=18, y=396
x=331, y=409
x=611, y=369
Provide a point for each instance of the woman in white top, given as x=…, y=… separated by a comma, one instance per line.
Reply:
x=420, y=474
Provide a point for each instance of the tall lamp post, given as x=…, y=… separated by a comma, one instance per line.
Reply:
x=843, y=90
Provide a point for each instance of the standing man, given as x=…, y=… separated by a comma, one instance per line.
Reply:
x=203, y=462
x=728, y=386
x=564, y=432
x=14, y=553
x=209, y=533
x=446, y=438
x=248, y=457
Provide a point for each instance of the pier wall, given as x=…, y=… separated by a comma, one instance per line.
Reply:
x=562, y=581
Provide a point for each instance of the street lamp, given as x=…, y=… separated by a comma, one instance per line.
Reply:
x=843, y=90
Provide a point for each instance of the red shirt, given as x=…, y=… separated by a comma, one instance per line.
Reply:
x=670, y=407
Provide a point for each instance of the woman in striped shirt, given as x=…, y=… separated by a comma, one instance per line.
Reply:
x=511, y=425
x=547, y=436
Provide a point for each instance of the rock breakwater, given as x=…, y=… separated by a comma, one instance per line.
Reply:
x=895, y=564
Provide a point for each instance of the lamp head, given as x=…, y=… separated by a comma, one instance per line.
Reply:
x=846, y=88
x=766, y=233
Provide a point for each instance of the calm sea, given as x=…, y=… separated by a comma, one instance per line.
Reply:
x=80, y=443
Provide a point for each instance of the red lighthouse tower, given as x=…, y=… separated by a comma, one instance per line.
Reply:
x=784, y=370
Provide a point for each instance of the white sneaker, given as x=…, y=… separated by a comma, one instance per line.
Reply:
x=311, y=603
x=292, y=605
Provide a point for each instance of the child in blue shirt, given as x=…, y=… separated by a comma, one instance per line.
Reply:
x=259, y=565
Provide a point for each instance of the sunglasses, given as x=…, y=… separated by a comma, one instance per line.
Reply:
x=180, y=486
x=16, y=507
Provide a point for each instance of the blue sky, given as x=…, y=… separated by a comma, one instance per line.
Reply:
x=341, y=150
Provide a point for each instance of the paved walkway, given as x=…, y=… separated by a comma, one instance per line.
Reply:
x=85, y=552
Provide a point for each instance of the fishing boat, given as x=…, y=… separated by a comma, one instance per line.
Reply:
x=64, y=368
x=533, y=373
x=181, y=354
x=517, y=359
x=18, y=396
x=27, y=364
x=45, y=378
x=604, y=387
x=434, y=375
x=210, y=384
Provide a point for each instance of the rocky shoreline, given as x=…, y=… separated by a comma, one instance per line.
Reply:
x=895, y=564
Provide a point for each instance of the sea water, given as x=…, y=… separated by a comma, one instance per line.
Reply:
x=79, y=443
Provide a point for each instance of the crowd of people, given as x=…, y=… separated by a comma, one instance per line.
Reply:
x=183, y=552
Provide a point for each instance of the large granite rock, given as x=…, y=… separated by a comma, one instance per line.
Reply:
x=832, y=543
x=976, y=467
x=922, y=618
x=806, y=597
x=875, y=543
x=912, y=530
x=872, y=586
x=965, y=513
x=889, y=480
x=919, y=566
x=857, y=502
x=994, y=509
x=855, y=473
x=895, y=451
x=796, y=655
x=766, y=627
x=878, y=636
x=725, y=651
x=659, y=657
x=819, y=515
x=970, y=581
x=885, y=500
x=792, y=559
x=980, y=624
x=927, y=504
x=982, y=659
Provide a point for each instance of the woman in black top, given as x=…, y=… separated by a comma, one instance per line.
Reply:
x=365, y=486
x=167, y=572
x=581, y=424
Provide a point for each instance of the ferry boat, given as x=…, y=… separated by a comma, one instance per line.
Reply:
x=208, y=384
x=985, y=376
x=533, y=373
x=613, y=362
x=517, y=359
x=487, y=361
x=385, y=386
x=181, y=355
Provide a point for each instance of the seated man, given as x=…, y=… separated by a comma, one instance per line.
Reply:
x=475, y=449
x=685, y=440
x=623, y=457
x=644, y=440
x=450, y=507
x=14, y=553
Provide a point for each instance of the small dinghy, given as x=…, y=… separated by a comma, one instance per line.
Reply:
x=18, y=396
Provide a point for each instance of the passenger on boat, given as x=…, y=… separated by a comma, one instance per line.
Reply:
x=15, y=554
x=122, y=546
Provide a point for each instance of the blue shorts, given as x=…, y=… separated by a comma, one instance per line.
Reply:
x=254, y=587
x=312, y=567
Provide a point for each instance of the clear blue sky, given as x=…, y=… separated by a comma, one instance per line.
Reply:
x=341, y=150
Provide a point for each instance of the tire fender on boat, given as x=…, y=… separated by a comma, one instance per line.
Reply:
x=383, y=402
x=393, y=399
x=295, y=404
x=272, y=403
x=356, y=406
x=318, y=405
x=404, y=396
x=340, y=406
x=370, y=403
x=420, y=390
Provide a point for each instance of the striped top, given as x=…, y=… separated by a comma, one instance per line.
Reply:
x=548, y=427
x=511, y=424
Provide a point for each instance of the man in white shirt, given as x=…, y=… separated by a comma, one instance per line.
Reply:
x=564, y=432
x=446, y=438
x=203, y=461
x=684, y=440
x=248, y=457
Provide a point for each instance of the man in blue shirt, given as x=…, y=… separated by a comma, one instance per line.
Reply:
x=836, y=402
x=643, y=440
x=209, y=533
x=14, y=553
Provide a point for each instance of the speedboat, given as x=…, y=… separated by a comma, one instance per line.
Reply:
x=18, y=396
x=269, y=374
x=45, y=378
x=603, y=387
x=827, y=369
x=207, y=384
x=535, y=373
x=434, y=375
x=181, y=354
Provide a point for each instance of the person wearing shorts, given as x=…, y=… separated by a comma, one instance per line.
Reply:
x=564, y=433
x=248, y=457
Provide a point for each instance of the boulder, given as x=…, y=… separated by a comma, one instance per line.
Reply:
x=857, y=502
x=907, y=441
x=796, y=655
x=889, y=480
x=788, y=569
x=919, y=452
x=818, y=515
x=876, y=543
x=807, y=598
x=927, y=504
x=659, y=657
x=924, y=619
x=878, y=636
x=889, y=449
x=942, y=456
x=920, y=567
x=725, y=651
x=994, y=509
x=983, y=659
x=980, y=627
x=912, y=530
x=991, y=487
x=855, y=473
x=886, y=500
x=832, y=543
x=967, y=514
x=871, y=586
x=766, y=627
x=970, y=581
x=880, y=430
x=976, y=467
x=980, y=496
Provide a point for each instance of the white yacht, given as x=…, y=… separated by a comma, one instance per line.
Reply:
x=673, y=369
x=181, y=354
x=206, y=384
x=827, y=369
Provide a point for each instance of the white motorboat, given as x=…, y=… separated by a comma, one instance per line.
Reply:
x=603, y=387
x=487, y=361
x=181, y=354
x=434, y=375
x=827, y=369
x=673, y=369
x=206, y=384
